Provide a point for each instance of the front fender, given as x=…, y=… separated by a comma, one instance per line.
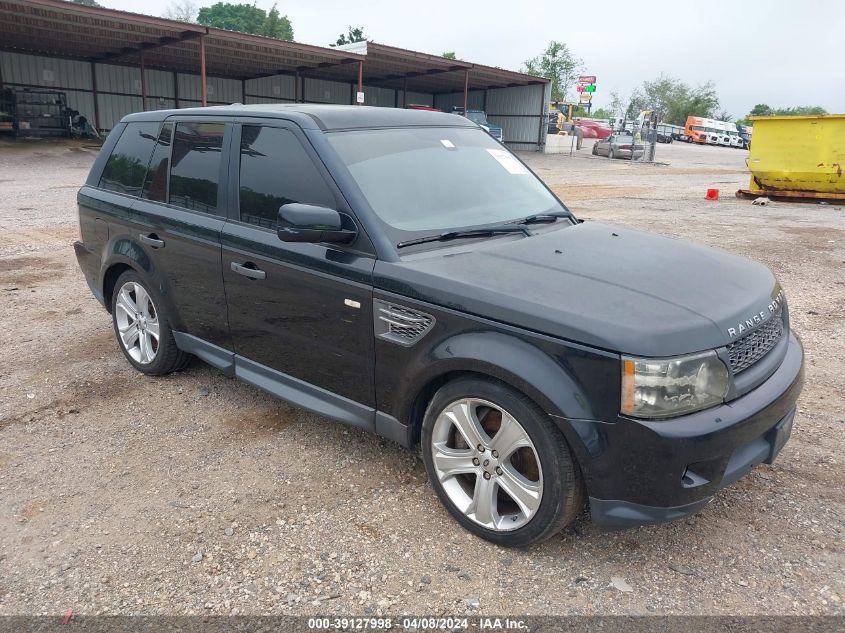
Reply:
x=560, y=377
x=515, y=362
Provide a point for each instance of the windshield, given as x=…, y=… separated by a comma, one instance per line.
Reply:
x=438, y=179
x=477, y=117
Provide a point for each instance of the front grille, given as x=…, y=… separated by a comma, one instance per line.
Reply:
x=753, y=346
x=400, y=324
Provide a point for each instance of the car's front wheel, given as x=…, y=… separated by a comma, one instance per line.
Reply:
x=499, y=464
x=142, y=328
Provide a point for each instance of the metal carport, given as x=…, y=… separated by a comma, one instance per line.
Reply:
x=111, y=63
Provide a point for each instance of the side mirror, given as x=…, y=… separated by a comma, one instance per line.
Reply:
x=310, y=223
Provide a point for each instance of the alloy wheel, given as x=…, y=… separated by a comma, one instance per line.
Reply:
x=487, y=464
x=137, y=322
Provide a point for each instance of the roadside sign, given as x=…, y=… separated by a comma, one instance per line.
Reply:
x=587, y=79
x=359, y=97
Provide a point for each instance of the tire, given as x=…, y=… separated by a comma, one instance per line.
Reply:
x=595, y=153
x=138, y=310
x=540, y=471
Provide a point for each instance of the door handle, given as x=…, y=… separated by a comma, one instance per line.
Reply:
x=248, y=270
x=152, y=240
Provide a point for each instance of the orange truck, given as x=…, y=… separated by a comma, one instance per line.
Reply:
x=696, y=129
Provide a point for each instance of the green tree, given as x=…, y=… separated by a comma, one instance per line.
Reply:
x=247, y=18
x=617, y=105
x=559, y=65
x=86, y=3
x=276, y=25
x=601, y=113
x=761, y=109
x=450, y=55
x=352, y=35
x=182, y=10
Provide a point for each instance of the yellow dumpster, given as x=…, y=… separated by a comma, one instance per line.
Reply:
x=798, y=157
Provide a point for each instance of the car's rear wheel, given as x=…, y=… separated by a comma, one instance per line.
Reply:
x=142, y=327
x=499, y=464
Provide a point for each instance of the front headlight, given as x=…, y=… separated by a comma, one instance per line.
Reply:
x=668, y=387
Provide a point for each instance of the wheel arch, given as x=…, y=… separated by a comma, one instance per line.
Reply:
x=124, y=254
x=509, y=360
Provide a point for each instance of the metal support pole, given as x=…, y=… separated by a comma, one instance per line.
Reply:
x=405, y=91
x=203, y=87
x=360, y=79
x=96, y=100
x=175, y=90
x=542, y=116
x=296, y=87
x=243, y=91
x=143, y=84
x=466, y=90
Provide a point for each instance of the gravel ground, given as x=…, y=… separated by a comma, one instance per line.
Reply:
x=194, y=493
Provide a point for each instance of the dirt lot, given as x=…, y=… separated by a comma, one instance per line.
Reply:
x=195, y=493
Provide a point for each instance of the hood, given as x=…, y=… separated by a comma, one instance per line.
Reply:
x=615, y=288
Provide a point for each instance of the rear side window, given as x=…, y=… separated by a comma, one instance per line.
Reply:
x=276, y=170
x=125, y=169
x=195, y=165
x=155, y=184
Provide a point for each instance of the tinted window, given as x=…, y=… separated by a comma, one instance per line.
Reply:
x=276, y=170
x=195, y=166
x=427, y=179
x=155, y=184
x=127, y=165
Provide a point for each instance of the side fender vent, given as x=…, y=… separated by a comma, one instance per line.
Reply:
x=399, y=324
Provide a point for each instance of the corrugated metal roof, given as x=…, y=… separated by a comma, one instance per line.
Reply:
x=63, y=29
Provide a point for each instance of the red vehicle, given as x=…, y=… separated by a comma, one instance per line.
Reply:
x=601, y=132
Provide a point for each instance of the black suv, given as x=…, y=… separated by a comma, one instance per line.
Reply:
x=403, y=272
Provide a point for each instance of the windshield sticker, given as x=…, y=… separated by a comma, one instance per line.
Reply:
x=447, y=143
x=511, y=164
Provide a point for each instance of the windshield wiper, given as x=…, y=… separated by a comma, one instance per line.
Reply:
x=544, y=218
x=452, y=235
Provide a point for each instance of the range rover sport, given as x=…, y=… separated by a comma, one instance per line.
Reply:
x=403, y=272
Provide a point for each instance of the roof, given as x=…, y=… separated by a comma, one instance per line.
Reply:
x=324, y=117
x=393, y=67
x=57, y=28
x=73, y=31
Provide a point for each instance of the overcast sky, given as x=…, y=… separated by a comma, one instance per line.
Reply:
x=756, y=51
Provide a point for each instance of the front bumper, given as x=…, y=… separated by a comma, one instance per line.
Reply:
x=648, y=472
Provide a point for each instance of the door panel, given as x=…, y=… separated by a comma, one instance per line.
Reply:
x=297, y=318
x=188, y=265
x=301, y=309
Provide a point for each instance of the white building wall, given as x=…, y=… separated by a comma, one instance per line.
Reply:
x=324, y=91
x=218, y=90
x=278, y=88
x=418, y=98
x=446, y=102
x=46, y=72
x=377, y=96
